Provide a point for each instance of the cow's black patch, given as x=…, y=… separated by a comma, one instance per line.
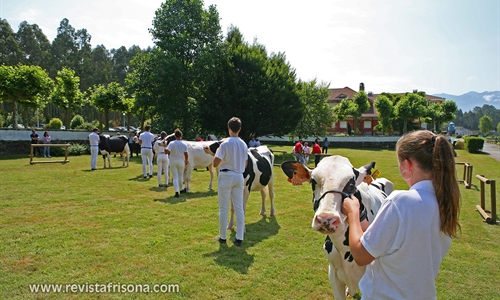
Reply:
x=263, y=166
x=249, y=172
x=348, y=256
x=213, y=147
x=356, y=173
x=346, y=237
x=328, y=244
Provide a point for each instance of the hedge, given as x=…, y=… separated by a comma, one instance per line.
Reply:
x=473, y=144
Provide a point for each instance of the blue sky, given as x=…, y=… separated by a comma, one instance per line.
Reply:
x=444, y=46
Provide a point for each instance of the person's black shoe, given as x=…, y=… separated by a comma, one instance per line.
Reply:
x=145, y=177
x=183, y=191
x=221, y=241
x=176, y=194
x=150, y=176
x=237, y=242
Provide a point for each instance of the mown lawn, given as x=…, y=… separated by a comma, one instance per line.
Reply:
x=65, y=224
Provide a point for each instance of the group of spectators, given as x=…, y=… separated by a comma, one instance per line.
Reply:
x=45, y=140
x=301, y=151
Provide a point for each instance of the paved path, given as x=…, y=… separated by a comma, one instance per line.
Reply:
x=492, y=150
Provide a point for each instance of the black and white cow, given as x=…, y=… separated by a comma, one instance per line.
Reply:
x=333, y=180
x=115, y=144
x=258, y=176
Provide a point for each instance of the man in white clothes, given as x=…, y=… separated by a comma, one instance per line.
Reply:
x=146, y=140
x=94, y=141
x=231, y=158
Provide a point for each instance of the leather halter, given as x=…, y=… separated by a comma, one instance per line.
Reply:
x=349, y=190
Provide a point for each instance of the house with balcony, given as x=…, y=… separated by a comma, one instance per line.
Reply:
x=367, y=121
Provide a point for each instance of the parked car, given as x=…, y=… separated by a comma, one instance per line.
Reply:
x=19, y=126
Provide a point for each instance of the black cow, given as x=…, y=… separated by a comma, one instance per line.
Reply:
x=115, y=144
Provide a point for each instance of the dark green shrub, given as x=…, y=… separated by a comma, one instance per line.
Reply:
x=87, y=126
x=76, y=121
x=55, y=123
x=78, y=149
x=473, y=144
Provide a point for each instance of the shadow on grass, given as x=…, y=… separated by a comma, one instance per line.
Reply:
x=183, y=197
x=237, y=258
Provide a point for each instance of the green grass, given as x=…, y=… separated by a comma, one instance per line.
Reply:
x=64, y=224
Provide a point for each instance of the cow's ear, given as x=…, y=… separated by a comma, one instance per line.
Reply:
x=361, y=173
x=296, y=172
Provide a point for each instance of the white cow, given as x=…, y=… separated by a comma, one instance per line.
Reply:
x=332, y=180
x=199, y=159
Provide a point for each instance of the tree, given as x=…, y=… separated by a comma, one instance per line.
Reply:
x=185, y=32
x=447, y=112
x=98, y=68
x=67, y=93
x=404, y=112
x=24, y=85
x=108, y=98
x=354, y=107
x=318, y=115
x=244, y=81
x=498, y=127
x=34, y=45
x=385, y=112
x=10, y=54
x=485, y=125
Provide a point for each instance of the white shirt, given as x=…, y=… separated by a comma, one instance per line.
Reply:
x=233, y=154
x=177, y=149
x=94, y=139
x=147, y=139
x=408, y=246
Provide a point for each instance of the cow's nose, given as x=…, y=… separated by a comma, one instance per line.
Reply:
x=326, y=223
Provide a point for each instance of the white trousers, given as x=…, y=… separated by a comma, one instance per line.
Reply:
x=162, y=162
x=147, y=159
x=230, y=187
x=94, y=152
x=177, y=169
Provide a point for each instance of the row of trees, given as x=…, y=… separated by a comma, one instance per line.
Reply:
x=471, y=119
x=397, y=111
x=194, y=78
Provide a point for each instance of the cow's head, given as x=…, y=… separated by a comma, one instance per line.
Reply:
x=211, y=147
x=332, y=180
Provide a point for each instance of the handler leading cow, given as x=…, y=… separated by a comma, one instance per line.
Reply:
x=333, y=180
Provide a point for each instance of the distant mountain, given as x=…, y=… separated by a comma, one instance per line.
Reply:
x=468, y=101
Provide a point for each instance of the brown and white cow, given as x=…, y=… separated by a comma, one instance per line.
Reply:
x=333, y=180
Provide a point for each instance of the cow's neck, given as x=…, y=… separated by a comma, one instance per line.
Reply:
x=341, y=240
